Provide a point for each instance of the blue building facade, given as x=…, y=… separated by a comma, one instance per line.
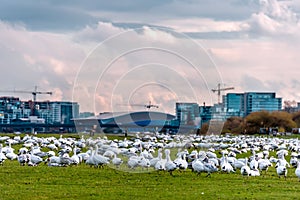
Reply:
x=258, y=101
x=242, y=104
x=188, y=113
x=234, y=104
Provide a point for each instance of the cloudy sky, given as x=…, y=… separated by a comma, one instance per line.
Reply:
x=107, y=54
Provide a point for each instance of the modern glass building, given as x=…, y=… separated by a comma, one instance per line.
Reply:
x=206, y=113
x=63, y=112
x=242, y=104
x=234, y=104
x=258, y=101
x=188, y=113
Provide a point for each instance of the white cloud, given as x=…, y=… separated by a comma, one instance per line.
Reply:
x=98, y=33
x=128, y=61
x=275, y=18
x=204, y=25
x=35, y=58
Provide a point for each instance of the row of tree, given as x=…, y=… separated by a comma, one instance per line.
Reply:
x=256, y=121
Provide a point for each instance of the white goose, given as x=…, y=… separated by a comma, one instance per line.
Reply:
x=98, y=159
x=198, y=166
x=264, y=164
x=226, y=166
x=245, y=170
x=209, y=167
x=239, y=163
x=170, y=165
x=181, y=162
x=253, y=163
x=297, y=170
x=2, y=156
x=75, y=158
x=154, y=160
x=144, y=162
x=133, y=162
x=33, y=159
x=11, y=156
x=116, y=161
x=23, y=159
x=294, y=160
x=161, y=163
x=8, y=149
x=281, y=168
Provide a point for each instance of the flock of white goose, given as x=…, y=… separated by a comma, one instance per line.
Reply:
x=159, y=152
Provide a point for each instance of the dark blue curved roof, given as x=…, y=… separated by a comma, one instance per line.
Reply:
x=142, y=118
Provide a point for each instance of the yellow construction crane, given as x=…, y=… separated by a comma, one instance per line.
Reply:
x=34, y=93
x=219, y=89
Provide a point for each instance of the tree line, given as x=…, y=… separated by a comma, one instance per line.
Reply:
x=257, y=121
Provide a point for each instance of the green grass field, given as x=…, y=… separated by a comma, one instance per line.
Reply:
x=85, y=182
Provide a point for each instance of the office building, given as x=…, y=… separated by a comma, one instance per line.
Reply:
x=188, y=114
x=259, y=101
x=12, y=109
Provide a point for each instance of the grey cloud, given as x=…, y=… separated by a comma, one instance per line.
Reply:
x=75, y=14
x=215, y=9
x=250, y=83
x=43, y=15
x=218, y=35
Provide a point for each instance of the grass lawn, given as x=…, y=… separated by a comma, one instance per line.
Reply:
x=85, y=182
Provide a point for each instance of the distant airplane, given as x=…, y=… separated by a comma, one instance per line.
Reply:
x=148, y=106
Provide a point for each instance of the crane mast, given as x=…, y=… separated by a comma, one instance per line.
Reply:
x=219, y=89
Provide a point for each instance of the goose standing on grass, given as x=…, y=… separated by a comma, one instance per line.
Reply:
x=33, y=159
x=89, y=160
x=2, y=156
x=22, y=158
x=116, y=161
x=281, y=169
x=239, y=163
x=209, y=167
x=297, y=170
x=133, y=162
x=154, y=160
x=161, y=163
x=294, y=160
x=181, y=162
x=198, y=166
x=144, y=162
x=253, y=163
x=264, y=163
x=8, y=149
x=226, y=166
x=11, y=156
x=170, y=165
x=245, y=170
x=98, y=159
x=75, y=158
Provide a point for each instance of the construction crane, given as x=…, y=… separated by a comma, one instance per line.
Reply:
x=219, y=89
x=34, y=93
